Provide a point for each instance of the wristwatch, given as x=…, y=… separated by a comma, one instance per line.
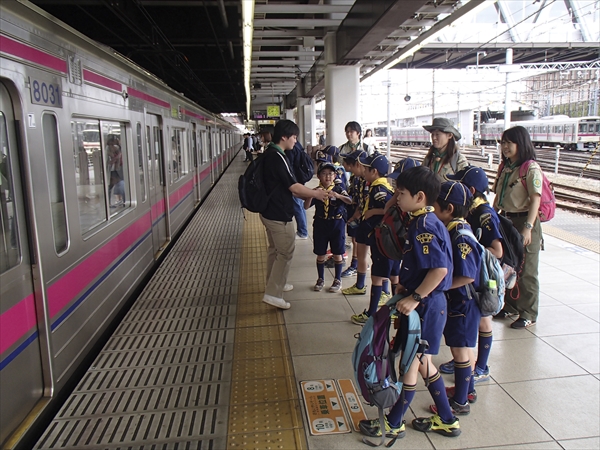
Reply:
x=528, y=225
x=416, y=297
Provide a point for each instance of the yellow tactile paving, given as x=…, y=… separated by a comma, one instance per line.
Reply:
x=264, y=406
x=580, y=241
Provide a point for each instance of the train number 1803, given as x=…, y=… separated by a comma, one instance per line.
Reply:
x=45, y=93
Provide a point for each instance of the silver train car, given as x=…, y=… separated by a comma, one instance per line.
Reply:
x=100, y=165
x=581, y=133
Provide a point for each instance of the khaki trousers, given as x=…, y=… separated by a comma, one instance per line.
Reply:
x=528, y=286
x=281, y=237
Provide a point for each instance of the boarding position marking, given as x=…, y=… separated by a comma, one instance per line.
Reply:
x=324, y=408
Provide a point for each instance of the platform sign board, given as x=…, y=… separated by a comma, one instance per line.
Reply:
x=324, y=408
x=352, y=402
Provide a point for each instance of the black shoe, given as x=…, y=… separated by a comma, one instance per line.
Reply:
x=503, y=314
x=522, y=323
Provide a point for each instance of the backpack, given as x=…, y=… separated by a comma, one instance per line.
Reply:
x=490, y=292
x=304, y=169
x=512, y=248
x=374, y=357
x=251, y=186
x=390, y=234
x=548, y=200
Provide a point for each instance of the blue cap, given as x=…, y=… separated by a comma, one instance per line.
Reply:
x=355, y=155
x=472, y=176
x=456, y=193
x=375, y=161
x=332, y=150
x=321, y=156
x=325, y=165
x=402, y=165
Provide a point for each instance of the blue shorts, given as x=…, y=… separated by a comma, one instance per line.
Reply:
x=395, y=272
x=362, y=233
x=462, y=326
x=432, y=311
x=351, y=231
x=329, y=232
x=382, y=266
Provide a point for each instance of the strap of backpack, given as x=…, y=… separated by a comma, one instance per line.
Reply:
x=523, y=169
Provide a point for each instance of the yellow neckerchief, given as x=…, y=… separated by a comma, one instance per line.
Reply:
x=420, y=212
x=477, y=202
x=383, y=181
x=326, y=201
x=508, y=169
x=454, y=223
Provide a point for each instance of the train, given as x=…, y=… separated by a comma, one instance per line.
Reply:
x=581, y=133
x=101, y=164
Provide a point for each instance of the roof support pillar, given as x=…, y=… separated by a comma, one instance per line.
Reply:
x=342, y=97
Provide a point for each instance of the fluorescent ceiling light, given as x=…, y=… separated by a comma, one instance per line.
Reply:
x=247, y=31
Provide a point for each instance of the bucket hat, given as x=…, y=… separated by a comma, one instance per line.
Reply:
x=445, y=125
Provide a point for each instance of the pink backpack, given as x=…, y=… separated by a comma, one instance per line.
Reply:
x=548, y=200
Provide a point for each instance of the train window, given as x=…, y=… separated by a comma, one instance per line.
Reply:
x=205, y=157
x=117, y=168
x=598, y=128
x=89, y=173
x=141, y=159
x=55, y=182
x=178, y=165
x=583, y=128
x=10, y=250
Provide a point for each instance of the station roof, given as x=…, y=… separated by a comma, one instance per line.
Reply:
x=197, y=48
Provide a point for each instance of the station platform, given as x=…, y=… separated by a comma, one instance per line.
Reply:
x=200, y=362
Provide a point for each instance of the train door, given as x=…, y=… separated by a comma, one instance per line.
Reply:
x=213, y=159
x=22, y=363
x=157, y=183
x=196, y=160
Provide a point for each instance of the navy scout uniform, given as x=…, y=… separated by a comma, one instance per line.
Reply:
x=380, y=191
x=329, y=223
x=462, y=327
x=428, y=247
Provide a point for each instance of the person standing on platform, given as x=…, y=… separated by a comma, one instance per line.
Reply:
x=520, y=202
x=282, y=187
x=444, y=156
x=293, y=156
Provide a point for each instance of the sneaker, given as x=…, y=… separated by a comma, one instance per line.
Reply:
x=319, y=284
x=288, y=287
x=350, y=271
x=276, y=301
x=522, y=323
x=457, y=408
x=336, y=286
x=360, y=319
x=435, y=423
x=372, y=428
x=481, y=374
x=447, y=367
x=471, y=396
x=301, y=237
x=383, y=299
x=503, y=314
x=353, y=290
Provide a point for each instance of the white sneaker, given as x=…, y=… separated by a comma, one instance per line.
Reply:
x=288, y=287
x=299, y=236
x=276, y=301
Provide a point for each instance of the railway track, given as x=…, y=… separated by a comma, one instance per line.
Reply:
x=568, y=197
x=570, y=163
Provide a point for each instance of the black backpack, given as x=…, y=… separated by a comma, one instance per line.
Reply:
x=390, y=234
x=304, y=168
x=251, y=187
